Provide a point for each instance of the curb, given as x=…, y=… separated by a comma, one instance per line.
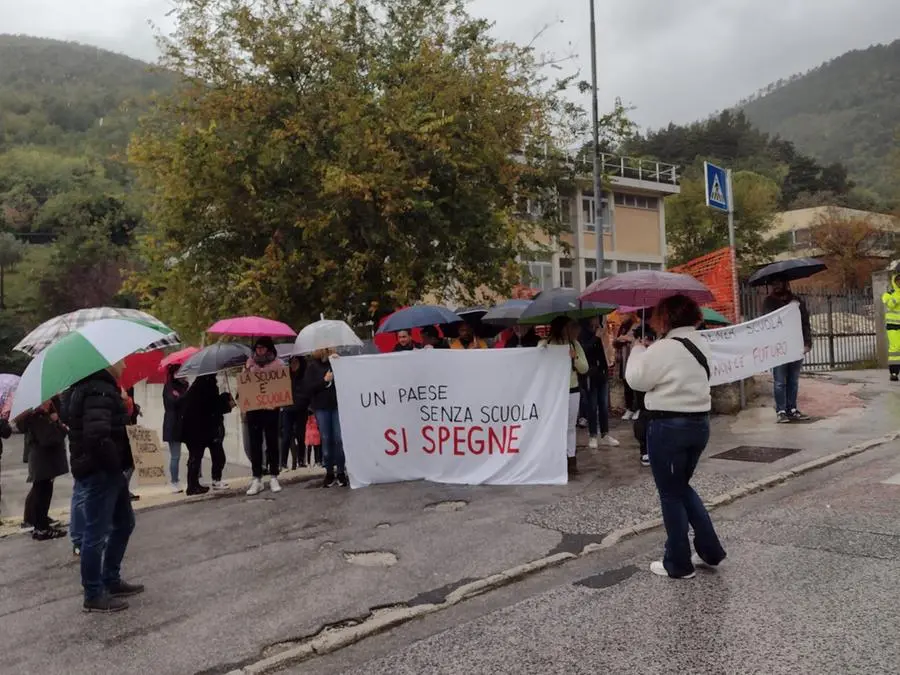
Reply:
x=328, y=641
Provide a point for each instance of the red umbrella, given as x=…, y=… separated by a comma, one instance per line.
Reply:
x=252, y=326
x=140, y=366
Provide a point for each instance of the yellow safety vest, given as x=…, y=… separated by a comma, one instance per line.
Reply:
x=891, y=301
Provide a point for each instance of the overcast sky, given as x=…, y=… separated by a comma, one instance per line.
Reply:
x=674, y=60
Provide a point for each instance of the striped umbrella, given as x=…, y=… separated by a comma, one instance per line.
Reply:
x=82, y=352
x=58, y=327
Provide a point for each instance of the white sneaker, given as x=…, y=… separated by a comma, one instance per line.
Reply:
x=219, y=485
x=628, y=415
x=645, y=460
x=609, y=441
x=274, y=485
x=659, y=570
x=176, y=488
x=636, y=414
x=701, y=564
x=592, y=443
x=255, y=488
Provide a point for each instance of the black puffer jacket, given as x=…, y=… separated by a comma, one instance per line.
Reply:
x=203, y=412
x=323, y=395
x=97, y=420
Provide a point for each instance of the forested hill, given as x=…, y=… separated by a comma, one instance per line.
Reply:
x=71, y=97
x=847, y=110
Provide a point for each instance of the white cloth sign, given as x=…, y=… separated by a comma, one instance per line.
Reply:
x=753, y=347
x=494, y=416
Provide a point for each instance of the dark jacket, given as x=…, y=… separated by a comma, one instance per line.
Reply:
x=774, y=302
x=46, y=441
x=173, y=396
x=412, y=346
x=97, y=420
x=323, y=395
x=598, y=367
x=203, y=412
x=298, y=388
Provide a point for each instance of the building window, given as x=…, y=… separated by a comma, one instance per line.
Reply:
x=566, y=273
x=636, y=201
x=539, y=274
x=565, y=210
x=631, y=266
x=589, y=213
x=590, y=270
x=801, y=238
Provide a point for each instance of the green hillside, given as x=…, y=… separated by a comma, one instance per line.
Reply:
x=847, y=110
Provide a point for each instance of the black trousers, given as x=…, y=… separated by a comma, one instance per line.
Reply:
x=195, y=461
x=37, y=504
x=293, y=432
x=262, y=425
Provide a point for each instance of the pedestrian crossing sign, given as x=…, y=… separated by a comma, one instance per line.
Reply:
x=717, y=196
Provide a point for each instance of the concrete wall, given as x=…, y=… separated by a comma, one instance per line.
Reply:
x=880, y=282
x=149, y=397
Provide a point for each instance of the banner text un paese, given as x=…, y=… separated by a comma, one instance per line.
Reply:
x=472, y=417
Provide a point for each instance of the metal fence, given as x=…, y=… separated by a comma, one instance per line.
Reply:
x=842, y=323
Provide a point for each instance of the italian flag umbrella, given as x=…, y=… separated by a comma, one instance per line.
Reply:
x=86, y=350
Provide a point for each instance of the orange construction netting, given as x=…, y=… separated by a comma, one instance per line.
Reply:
x=716, y=270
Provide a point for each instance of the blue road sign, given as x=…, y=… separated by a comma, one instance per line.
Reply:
x=717, y=196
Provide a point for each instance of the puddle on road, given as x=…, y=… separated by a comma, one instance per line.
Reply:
x=449, y=506
x=371, y=558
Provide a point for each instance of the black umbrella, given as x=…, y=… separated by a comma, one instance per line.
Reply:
x=506, y=314
x=473, y=317
x=215, y=358
x=561, y=302
x=789, y=270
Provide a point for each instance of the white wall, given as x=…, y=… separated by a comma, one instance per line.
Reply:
x=149, y=397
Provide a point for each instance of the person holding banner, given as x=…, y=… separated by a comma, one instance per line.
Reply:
x=262, y=425
x=467, y=339
x=786, y=378
x=405, y=342
x=320, y=385
x=674, y=374
x=564, y=332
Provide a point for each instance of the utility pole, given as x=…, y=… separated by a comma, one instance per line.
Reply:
x=598, y=179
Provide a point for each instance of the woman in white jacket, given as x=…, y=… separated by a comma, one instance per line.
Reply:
x=674, y=373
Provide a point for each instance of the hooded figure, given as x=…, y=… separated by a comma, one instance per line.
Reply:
x=262, y=425
x=891, y=301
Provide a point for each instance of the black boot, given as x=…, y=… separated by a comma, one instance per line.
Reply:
x=105, y=604
x=196, y=490
x=122, y=589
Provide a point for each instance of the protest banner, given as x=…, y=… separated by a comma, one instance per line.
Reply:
x=474, y=417
x=149, y=457
x=756, y=346
x=264, y=389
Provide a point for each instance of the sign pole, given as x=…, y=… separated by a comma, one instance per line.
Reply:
x=598, y=221
x=732, y=244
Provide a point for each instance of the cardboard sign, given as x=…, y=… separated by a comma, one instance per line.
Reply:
x=149, y=456
x=480, y=417
x=265, y=389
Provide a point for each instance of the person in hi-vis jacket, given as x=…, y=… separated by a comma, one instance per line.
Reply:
x=891, y=301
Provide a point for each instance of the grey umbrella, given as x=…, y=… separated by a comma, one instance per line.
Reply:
x=506, y=314
x=215, y=358
x=789, y=270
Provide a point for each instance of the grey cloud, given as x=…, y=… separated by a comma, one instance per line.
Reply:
x=676, y=60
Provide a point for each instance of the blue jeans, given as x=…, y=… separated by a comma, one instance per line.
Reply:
x=596, y=406
x=76, y=514
x=174, y=460
x=108, y=524
x=787, y=384
x=332, y=445
x=675, y=445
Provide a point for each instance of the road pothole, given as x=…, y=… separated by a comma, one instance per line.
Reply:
x=382, y=526
x=326, y=545
x=448, y=506
x=371, y=558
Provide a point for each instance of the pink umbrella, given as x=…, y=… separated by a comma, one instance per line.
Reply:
x=252, y=326
x=644, y=288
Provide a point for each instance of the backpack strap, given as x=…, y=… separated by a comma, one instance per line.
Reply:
x=697, y=354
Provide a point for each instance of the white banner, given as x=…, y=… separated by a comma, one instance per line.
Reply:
x=753, y=347
x=494, y=416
